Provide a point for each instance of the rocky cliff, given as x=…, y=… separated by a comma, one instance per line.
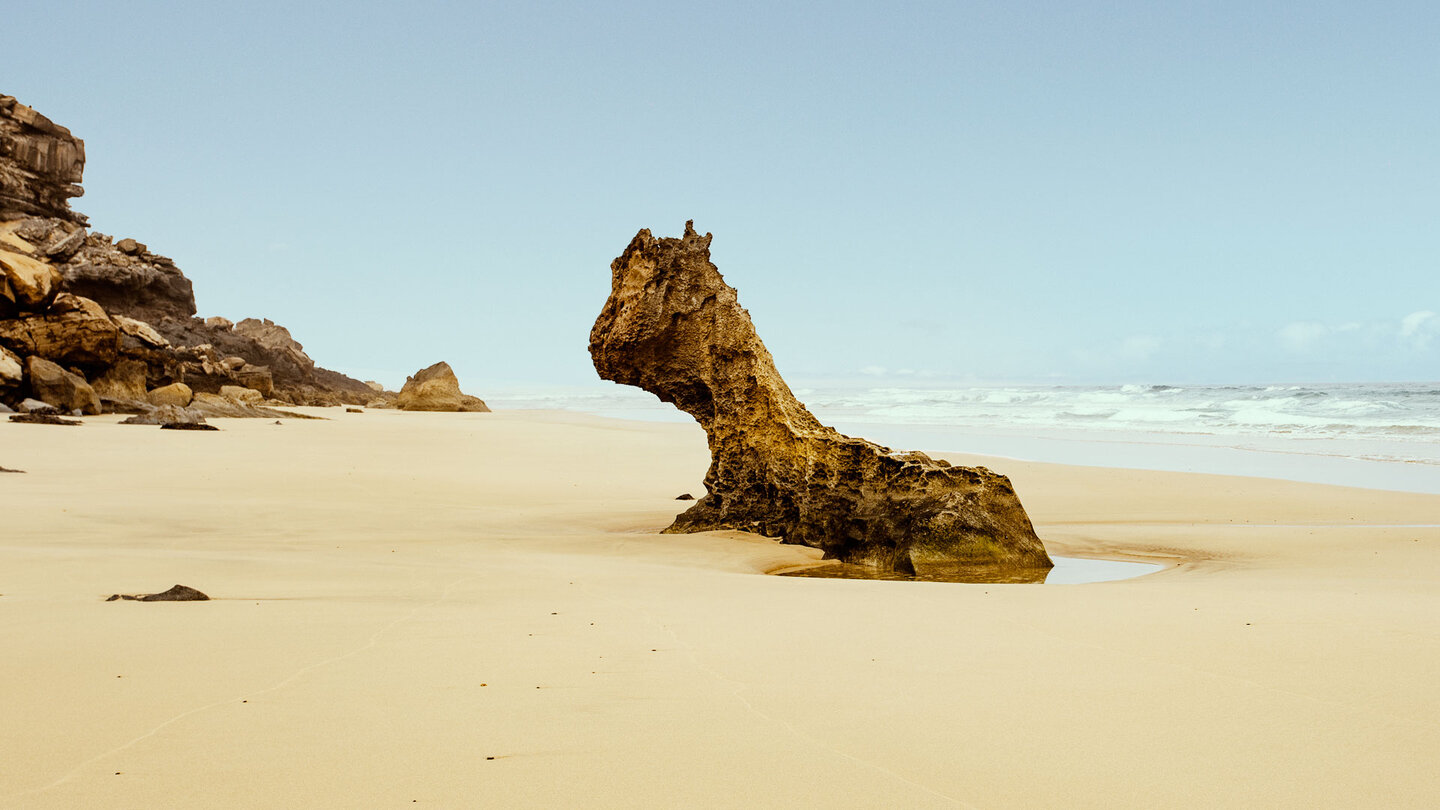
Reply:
x=113, y=314
x=40, y=164
x=673, y=327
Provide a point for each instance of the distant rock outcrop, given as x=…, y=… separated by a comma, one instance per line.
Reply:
x=111, y=312
x=673, y=327
x=437, y=389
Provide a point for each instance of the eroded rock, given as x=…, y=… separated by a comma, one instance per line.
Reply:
x=135, y=283
x=42, y=419
x=33, y=283
x=241, y=394
x=12, y=374
x=177, y=394
x=673, y=327
x=166, y=415
x=40, y=164
x=60, y=388
x=177, y=593
x=73, y=331
x=436, y=389
x=123, y=382
x=86, y=300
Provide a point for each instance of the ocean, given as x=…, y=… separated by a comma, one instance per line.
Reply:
x=1383, y=435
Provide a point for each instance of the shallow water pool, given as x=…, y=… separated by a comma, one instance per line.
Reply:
x=1067, y=571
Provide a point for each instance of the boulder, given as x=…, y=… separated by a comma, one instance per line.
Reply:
x=12, y=373
x=143, y=333
x=177, y=394
x=63, y=389
x=32, y=405
x=247, y=396
x=124, y=381
x=436, y=389
x=164, y=415
x=63, y=244
x=214, y=405
x=222, y=324
x=75, y=331
x=374, y=386
x=256, y=377
x=33, y=283
x=673, y=327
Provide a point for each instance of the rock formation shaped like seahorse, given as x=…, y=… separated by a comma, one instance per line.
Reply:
x=673, y=327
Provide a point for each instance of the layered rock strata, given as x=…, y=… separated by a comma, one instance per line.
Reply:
x=673, y=327
x=41, y=164
x=111, y=312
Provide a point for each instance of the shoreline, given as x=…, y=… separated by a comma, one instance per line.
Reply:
x=462, y=609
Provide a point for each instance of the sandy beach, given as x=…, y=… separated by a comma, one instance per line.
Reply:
x=476, y=610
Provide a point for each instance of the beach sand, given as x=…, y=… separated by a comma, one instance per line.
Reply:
x=475, y=610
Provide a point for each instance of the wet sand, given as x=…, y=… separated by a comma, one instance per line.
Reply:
x=473, y=610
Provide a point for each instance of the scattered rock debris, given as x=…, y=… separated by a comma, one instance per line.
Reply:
x=41, y=419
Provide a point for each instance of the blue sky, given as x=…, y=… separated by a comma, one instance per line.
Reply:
x=937, y=192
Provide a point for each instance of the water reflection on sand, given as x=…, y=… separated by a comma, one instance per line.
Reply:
x=1067, y=571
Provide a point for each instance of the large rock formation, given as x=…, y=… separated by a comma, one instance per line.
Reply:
x=673, y=327
x=111, y=311
x=40, y=164
x=437, y=389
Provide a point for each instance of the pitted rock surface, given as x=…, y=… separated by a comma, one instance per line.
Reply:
x=673, y=327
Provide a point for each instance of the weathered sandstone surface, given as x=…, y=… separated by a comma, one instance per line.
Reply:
x=40, y=164
x=110, y=312
x=673, y=327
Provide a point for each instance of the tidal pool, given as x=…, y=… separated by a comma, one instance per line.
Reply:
x=1067, y=571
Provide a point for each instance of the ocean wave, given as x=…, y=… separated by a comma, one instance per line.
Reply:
x=1403, y=414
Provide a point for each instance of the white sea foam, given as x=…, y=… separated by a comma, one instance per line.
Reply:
x=1385, y=435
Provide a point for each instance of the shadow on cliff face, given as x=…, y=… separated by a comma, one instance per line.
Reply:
x=673, y=327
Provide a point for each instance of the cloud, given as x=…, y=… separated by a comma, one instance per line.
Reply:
x=873, y=371
x=1301, y=336
x=1418, y=328
x=1417, y=331
x=1412, y=323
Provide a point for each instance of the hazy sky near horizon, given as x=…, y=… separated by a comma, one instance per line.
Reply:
x=927, y=192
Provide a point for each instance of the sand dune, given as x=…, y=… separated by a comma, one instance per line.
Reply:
x=399, y=598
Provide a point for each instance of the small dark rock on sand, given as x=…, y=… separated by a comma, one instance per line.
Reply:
x=187, y=426
x=179, y=593
x=685, y=497
x=353, y=410
x=41, y=419
x=6, y=469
